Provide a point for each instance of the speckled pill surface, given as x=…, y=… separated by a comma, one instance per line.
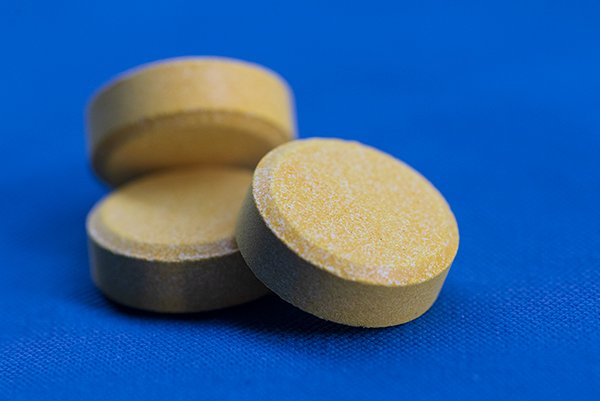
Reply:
x=195, y=110
x=165, y=242
x=347, y=233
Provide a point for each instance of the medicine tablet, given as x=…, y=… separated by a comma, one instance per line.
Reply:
x=165, y=242
x=347, y=233
x=202, y=110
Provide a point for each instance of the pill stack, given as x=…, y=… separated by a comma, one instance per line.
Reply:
x=215, y=203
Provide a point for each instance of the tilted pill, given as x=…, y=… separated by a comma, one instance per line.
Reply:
x=165, y=242
x=347, y=233
x=197, y=110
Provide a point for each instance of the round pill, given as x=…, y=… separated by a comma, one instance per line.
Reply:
x=165, y=242
x=347, y=233
x=200, y=110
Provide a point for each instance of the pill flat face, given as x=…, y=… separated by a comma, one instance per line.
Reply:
x=166, y=242
x=347, y=232
x=202, y=110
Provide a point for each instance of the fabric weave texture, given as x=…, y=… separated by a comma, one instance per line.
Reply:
x=497, y=103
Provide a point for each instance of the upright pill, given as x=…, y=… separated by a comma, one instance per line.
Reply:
x=165, y=242
x=347, y=233
x=200, y=110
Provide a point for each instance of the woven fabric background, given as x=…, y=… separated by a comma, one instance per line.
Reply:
x=497, y=103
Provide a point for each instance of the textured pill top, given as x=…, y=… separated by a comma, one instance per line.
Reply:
x=356, y=212
x=184, y=214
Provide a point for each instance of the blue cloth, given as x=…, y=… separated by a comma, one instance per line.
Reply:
x=498, y=104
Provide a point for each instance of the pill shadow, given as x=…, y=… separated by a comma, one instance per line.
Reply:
x=272, y=317
x=269, y=314
x=276, y=325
